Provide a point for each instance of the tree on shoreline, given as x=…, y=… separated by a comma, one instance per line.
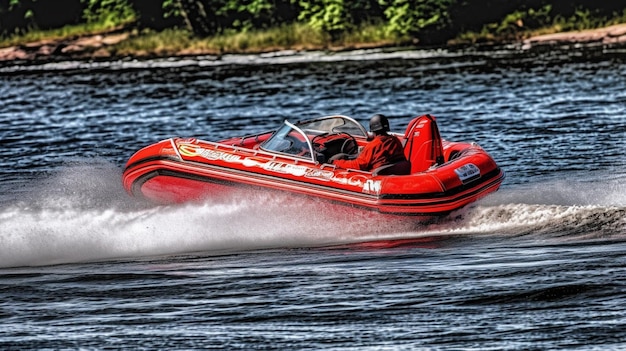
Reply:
x=428, y=21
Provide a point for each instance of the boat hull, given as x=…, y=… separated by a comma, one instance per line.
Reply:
x=181, y=170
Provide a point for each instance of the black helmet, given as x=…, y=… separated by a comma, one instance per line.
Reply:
x=379, y=123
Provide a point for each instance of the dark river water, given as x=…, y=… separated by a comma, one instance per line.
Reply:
x=541, y=264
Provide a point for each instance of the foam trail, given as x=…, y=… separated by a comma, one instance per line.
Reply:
x=82, y=214
x=61, y=235
x=609, y=192
x=559, y=209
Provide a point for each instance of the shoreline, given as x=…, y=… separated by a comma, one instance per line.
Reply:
x=95, y=47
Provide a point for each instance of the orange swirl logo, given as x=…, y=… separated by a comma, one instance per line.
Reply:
x=189, y=150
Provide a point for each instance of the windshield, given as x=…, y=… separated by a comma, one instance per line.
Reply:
x=295, y=139
x=290, y=140
x=333, y=124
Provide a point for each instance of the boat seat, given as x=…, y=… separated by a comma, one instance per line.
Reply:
x=399, y=168
x=423, y=146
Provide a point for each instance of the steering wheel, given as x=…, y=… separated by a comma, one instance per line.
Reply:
x=349, y=145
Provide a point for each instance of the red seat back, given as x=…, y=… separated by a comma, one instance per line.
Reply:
x=423, y=143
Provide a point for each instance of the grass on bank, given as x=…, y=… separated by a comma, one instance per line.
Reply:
x=297, y=36
x=287, y=37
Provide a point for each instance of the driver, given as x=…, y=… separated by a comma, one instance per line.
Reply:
x=384, y=149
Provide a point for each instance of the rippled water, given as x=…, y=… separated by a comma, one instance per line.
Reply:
x=537, y=265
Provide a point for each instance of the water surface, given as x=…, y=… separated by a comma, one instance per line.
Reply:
x=537, y=265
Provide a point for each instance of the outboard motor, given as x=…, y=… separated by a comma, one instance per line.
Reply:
x=423, y=146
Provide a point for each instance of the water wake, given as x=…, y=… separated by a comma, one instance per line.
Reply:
x=559, y=210
x=82, y=214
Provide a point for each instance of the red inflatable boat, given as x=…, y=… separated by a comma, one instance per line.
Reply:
x=444, y=176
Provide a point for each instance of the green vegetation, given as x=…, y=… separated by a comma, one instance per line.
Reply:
x=161, y=27
x=289, y=36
